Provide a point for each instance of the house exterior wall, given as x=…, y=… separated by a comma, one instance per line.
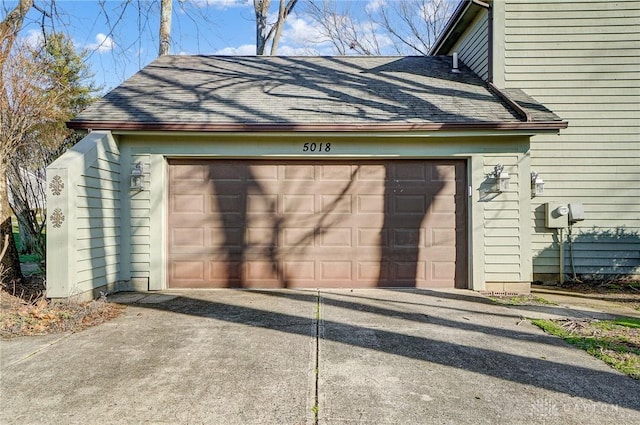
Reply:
x=83, y=196
x=473, y=46
x=498, y=260
x=581, y=60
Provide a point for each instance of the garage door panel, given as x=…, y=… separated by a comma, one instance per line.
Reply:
x=188, y=204
x=336, y=173
x=408, y=271
x=409, y=205
x=292, y=237
x=188, y=270
x=300, y=270
x=334, y=270
x=299, y=172
x=444, y=173
x=336, y=203
x=442, y=238
x=370, y=204
x=321, y=224
x=407, y=238
x=223, y=173
x=262, y=173
x=187, y=236
x=335, y=237
x=298, y=204
x=410, y=174
x=263, y=203
x=197, y=173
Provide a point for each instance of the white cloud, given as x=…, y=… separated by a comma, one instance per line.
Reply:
x=297, y=51
x=244, y=50
x=222, y=4
x=299, y=31
x=375, y=5
x=34, y=38
x=103, y=43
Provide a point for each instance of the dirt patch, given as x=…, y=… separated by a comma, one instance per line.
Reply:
x=25, y=311
x=625, y=293
x=520, y=300
x=617, y=342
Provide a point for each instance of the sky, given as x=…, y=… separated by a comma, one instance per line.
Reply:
x=121, y=37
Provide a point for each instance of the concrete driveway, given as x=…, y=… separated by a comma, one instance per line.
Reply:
x=301, y=357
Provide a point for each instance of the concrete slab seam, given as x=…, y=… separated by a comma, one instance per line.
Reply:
x=38, y=350
x=318, y=319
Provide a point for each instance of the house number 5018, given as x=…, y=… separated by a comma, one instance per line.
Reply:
x=316, y=147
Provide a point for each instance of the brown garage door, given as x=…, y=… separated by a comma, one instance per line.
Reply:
x=265, y=224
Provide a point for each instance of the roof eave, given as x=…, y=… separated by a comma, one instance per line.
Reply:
x=465, y=12
x=534, y=126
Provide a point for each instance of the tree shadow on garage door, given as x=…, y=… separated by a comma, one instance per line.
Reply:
x=404, y=222
x=517, y=365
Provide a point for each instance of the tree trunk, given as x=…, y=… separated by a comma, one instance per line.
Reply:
x=10, y=26
x=10, y=262
x=165, y=27
x=262, y=9
x=283, y=14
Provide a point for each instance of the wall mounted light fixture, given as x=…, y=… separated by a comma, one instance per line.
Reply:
x=136, y=181
x=537, y=184
x=501, y=179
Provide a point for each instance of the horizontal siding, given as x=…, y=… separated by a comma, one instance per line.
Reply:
x=581, y=60
x=98, y=223
x=502, y=228
x=565, y=5
x=472, y=50
x=140, y=222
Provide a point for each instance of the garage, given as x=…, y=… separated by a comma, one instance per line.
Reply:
x=316, y=224
x=297, y=172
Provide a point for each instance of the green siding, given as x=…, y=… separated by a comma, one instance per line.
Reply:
x=581, y=59
x=498, y=226
x=502, y=230
x=140, y=213
x=90, y=202
x=472, y=50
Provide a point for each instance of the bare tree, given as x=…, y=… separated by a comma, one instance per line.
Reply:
x=165, y=26
x=270, y=32
x=401, y=26
x=61, y=70
x=343, y=30
x=420, y=23
x=9, y=28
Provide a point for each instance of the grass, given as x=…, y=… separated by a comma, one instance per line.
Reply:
x=25, y=258
x=616, y=342
x=522, y=300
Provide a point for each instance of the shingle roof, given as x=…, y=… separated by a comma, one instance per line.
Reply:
x=214, y=92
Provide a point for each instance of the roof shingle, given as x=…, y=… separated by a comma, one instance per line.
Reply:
x=365, y=90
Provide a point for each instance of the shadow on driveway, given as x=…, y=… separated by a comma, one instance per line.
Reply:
x=490, y=354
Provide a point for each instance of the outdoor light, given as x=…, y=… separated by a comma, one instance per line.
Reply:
x=137, y=179
x=501, y=179
x=537, y=184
